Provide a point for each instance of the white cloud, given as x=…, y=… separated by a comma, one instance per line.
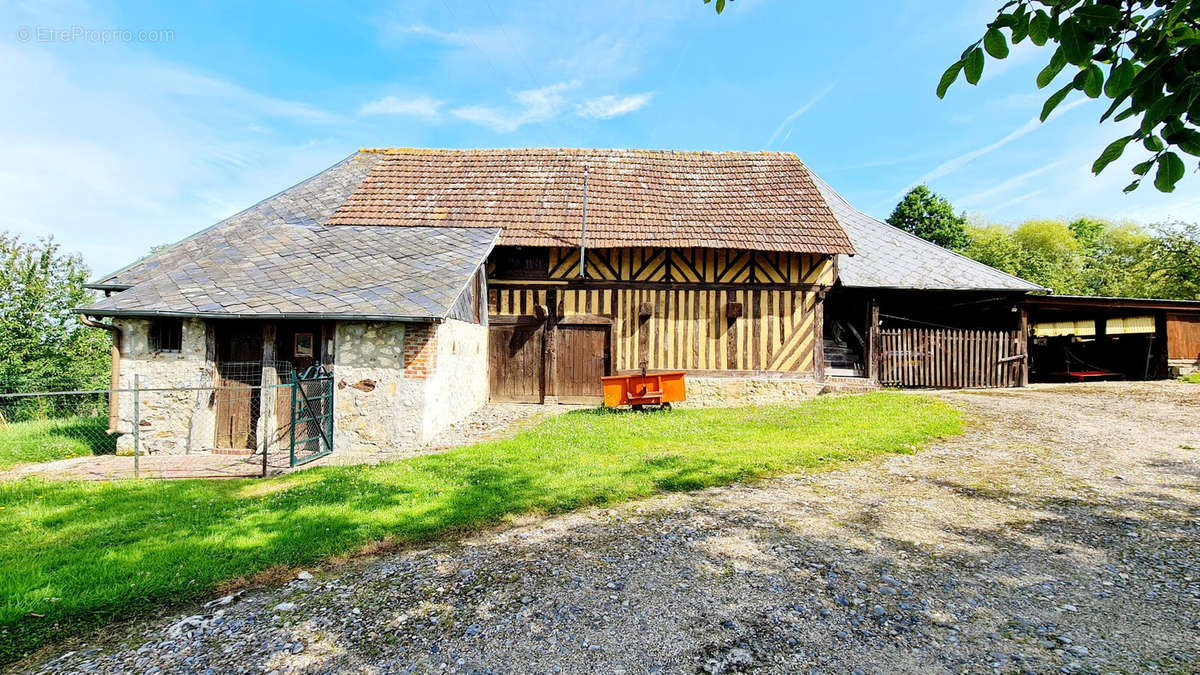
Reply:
x=532, y=105
x=796, y=113
x=952, y=165
x=419, y=106
x=606, y=107
x=1006, y=185
x=115, y=152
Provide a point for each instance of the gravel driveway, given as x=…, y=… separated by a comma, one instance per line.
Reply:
x=1060, y=533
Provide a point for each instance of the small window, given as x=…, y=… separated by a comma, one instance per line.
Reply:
x=517, y=262
x=166, y=335
x=303, y=345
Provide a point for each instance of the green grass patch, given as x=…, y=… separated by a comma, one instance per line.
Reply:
x=74, y=555
x=48, y=440
x=1193, y=378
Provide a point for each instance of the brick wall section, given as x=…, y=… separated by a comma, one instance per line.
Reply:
x=420, y=351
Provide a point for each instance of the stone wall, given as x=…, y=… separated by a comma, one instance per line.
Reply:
x=376, y=408
x=397, y=385
x=458, y=385
x=1184, y=366
x=173, y=422
x=738, y=391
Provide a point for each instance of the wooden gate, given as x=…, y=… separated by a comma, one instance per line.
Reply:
x=950, y=358
x=582, y=359
x=515, y=362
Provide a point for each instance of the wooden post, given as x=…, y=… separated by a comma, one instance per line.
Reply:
x=550, y=345
x=872, y=354
x=1023, y=344
x=819, y=338
x=137, y=423
x=266, y=392
x=645, y=316
x=328, y=344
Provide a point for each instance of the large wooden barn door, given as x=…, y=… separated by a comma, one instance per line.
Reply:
x=582, y=359
x=515, y=362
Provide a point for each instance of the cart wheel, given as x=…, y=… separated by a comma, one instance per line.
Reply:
x=665, y=406
x=637, y=407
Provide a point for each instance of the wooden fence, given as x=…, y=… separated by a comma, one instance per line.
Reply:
x=950, y=358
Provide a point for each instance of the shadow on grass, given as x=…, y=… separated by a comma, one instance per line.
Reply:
x=75, y=555
x=46, y=440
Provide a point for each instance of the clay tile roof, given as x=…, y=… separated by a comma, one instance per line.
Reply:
x=748, y=200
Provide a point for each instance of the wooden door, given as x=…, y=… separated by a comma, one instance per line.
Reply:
x=515, y=362
x=239, y=370
x=1183, y=337
x=582, y=359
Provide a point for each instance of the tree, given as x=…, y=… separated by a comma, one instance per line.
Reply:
x=930, y=216
x=1095, y=257
x=42, y=344
x=1143, y=55
x=1171, y=266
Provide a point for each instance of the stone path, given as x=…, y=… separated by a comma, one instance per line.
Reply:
x=1059, y=534
x=115, y=467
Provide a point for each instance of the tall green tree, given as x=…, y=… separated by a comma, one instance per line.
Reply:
x=930, y=216
x=42, y=344
x=1142, y=55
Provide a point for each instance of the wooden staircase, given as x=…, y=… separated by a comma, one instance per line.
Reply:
x=843, y=351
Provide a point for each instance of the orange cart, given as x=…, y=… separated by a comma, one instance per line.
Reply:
x=661, y=389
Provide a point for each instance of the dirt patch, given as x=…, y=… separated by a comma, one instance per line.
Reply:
x=1060, y=533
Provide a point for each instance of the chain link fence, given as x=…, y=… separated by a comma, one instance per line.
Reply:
x=244, y=419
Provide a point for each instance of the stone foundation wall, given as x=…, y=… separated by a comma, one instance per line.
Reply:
x=174, y=422
x=1184, y=366
x=737, y=391
x=458, y=386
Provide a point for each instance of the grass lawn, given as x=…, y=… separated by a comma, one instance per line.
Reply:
x=48, y=440
x=1193, y=378
x=74, y=555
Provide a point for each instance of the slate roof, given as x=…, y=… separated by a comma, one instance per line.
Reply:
x=889, y=257
x=311, y=271
x=748, y=200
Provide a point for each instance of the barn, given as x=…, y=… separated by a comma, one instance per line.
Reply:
x=422, y=283
x=614, y=261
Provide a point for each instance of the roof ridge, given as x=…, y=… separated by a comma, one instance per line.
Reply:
x=404, y=150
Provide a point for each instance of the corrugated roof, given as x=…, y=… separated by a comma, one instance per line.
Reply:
x=309, y=270
x=889, y=257
x=748, y=200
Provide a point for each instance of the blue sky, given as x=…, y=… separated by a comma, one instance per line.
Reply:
x=115, y=146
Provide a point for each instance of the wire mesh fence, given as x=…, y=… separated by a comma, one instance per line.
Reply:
x=243, y=419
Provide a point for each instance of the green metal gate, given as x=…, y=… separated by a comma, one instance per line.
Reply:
x=312, y=415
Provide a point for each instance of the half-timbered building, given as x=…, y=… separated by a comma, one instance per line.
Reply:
x=613, y=261
x=425, y=282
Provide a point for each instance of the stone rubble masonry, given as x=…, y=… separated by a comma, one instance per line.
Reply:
x=397, y=385
x=172, y=422
x=734, y=391
x=375, y=405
